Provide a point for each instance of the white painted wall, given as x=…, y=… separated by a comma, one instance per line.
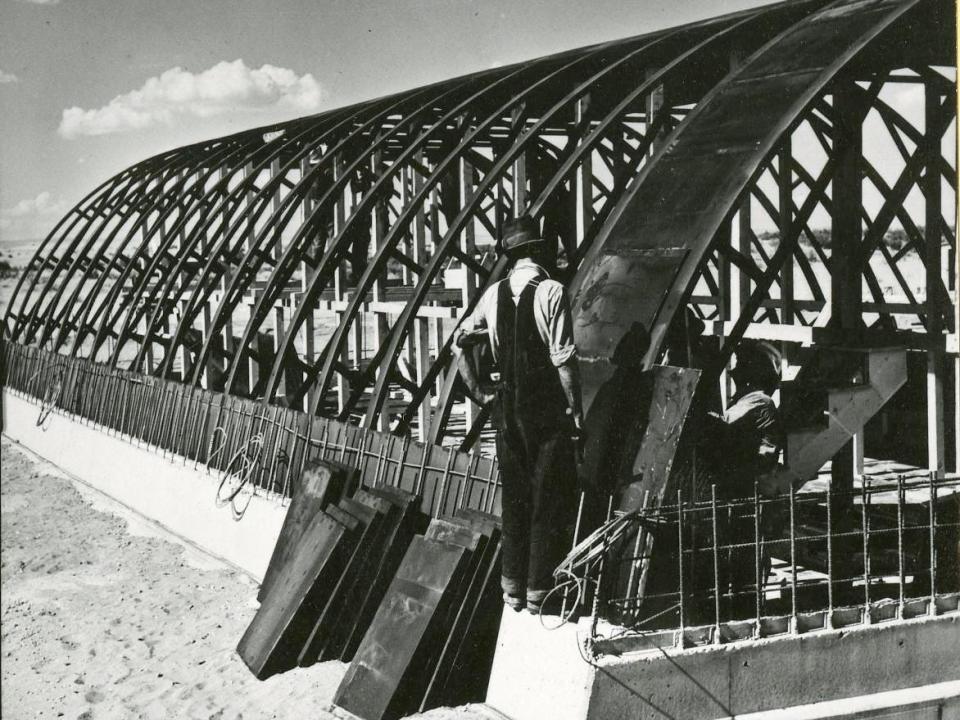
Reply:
x=163, y=488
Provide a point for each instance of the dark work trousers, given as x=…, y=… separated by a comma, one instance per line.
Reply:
x=535, y=449
x=538, y=505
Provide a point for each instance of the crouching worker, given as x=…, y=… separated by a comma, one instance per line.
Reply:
x=535, y=409
x=745, y=454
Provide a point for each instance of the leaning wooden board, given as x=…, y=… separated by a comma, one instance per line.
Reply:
x=462, y=669
x=340, y=626
x=275, y=637
x=323, y=483
x=382, y=678
x=663, y=457
x=408, y=523
x=368, y=535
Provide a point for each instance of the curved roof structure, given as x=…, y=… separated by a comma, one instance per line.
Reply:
x=323, y=263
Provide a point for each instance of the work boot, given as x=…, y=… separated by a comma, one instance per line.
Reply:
x=513, y=602
x=513, y=591
x=535, y=599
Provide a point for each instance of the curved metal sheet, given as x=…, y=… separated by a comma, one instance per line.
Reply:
x=643, y=266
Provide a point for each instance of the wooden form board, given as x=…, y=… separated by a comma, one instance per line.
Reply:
x=403, y=526
x=378, y=683
x=274, y=638
x=462, y=669
x=356, y=571
x=447, y=657
x=322, y=483
x=340, y=620
x=656, y=469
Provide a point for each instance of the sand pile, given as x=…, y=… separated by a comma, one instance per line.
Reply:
x=97, y=623
x=101, y=623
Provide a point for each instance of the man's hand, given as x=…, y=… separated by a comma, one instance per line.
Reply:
x=469, y=338
x=486, y=397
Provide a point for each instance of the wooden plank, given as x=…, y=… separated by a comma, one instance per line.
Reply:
x=462, y=670
x=401, y=531
x=462, y=532
x=657, y=467
x=385, y=679
x=355, y=571
x=931, y=186
x=323, y=483
x=362, y=581
x=274, y=638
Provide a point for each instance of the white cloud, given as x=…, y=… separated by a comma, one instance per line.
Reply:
x=6, y=78
x=33, y=218
x=227, y=87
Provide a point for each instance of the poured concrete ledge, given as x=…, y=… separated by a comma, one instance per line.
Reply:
x=940, y=701
x=163, y=488
x=539, y=673
x=909, y=668
x=762, y=675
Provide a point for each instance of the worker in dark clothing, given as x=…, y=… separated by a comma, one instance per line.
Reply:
x=535, y=408
x=754, y=435
x=745, y=453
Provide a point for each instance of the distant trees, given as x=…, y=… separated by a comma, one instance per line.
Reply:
x=894, y=239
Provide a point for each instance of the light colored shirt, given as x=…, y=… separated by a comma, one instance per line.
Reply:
x=756, y=424
x=551, y=311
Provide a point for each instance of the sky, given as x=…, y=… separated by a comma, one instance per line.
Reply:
x=89, y=87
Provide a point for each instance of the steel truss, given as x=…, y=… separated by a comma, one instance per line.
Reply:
x=323, y=263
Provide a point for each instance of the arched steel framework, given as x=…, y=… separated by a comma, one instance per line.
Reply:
x=324, y=263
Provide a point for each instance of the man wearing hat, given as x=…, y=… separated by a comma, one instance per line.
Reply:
x=756, y=434
x=535, y=408
x=748, y=454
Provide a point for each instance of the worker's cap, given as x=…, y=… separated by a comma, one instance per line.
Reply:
x=759, y=358
x=522, y=231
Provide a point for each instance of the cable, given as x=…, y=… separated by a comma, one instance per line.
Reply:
x=246, y=460
x=51, y=395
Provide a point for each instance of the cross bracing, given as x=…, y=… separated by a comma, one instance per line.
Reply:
x=323, y=263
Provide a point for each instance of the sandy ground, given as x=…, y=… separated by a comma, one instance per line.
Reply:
x=104, y=618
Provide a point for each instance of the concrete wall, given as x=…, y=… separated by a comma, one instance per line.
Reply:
x=750, y=677
x=163, y=488
x=897, y=670
x=539, y=673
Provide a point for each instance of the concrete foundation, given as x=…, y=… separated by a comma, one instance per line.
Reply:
x=539, y=673
x=164, y=488
x=908, y=669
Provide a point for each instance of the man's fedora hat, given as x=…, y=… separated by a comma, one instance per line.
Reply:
x=519, y=232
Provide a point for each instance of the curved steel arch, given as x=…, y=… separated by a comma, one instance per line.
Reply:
x=126, y=265
x=637, y=155
x=715, y=153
